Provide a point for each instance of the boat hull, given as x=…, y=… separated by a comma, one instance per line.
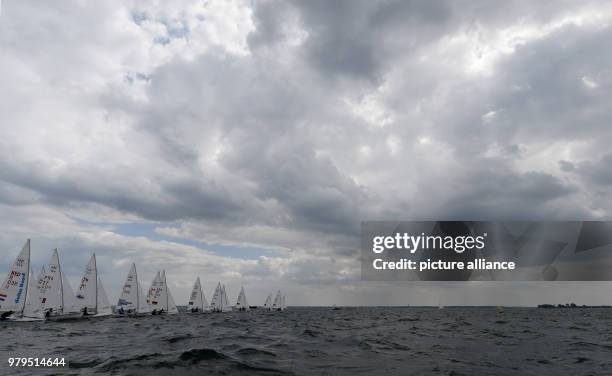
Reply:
x=23, y=319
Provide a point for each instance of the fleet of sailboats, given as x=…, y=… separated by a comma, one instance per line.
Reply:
x=50, y=296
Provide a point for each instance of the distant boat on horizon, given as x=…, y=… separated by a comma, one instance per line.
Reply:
x=241, y=304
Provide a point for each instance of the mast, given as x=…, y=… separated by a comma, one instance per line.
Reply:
x=96, y=277
x=167, y=292
x=137, y=295
x=201, y=293
x=59, y=269
x=27, y=280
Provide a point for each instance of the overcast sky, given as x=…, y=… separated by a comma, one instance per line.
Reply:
x=244, y=141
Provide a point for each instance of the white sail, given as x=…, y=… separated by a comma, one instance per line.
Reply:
x=32, y=308
x=242, y=304
x=103, y=307
x=51, y=286
x=215, y=303
x=154, y=293
x=170, y=306
x=268, y=303
x=196, y=299
x=277, y=301
x=225, y=304
x=142, y=306
x=70, y=304
x=41, y=276
x=88, y=290
x=132, y=300
x=14, y=290
x=129, y=294
x=284, y=302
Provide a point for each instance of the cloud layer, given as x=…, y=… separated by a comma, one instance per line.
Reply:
x=273, y=128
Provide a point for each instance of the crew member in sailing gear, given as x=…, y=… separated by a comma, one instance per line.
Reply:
x=48, y=313
x=161, y=311
x=121, y=311
x=5, y=315
x=85, y=311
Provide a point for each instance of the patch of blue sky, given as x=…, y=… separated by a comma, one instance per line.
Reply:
x=147, y=229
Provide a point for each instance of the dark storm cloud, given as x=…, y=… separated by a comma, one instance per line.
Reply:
x=598, y=171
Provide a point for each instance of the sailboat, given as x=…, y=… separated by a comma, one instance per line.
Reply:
x=161, y=300
x=268, y=304
x=91, y=294
x=215, y=303
x=278, y=302
x=219, y=302
x=225, y=304
x=132, y=301
x=57, y=297
x=241, y=304
x=197, y=300
x=18, y=300
x=153, y=290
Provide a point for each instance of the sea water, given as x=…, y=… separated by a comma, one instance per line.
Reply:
x=322, y=341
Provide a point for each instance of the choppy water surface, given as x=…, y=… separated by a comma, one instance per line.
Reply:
x=321, y=341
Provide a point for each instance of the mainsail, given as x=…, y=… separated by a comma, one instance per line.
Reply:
x=225, y=304
x=57, y=297
x=277, y=301
x=87, y=295
x=154, y=292
x=215, y=303
x=41, y=276
x=268, y=303
x=242, y=304
x=197, y=301
x=159, y=296
x=14, y=290
x=132, y=299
